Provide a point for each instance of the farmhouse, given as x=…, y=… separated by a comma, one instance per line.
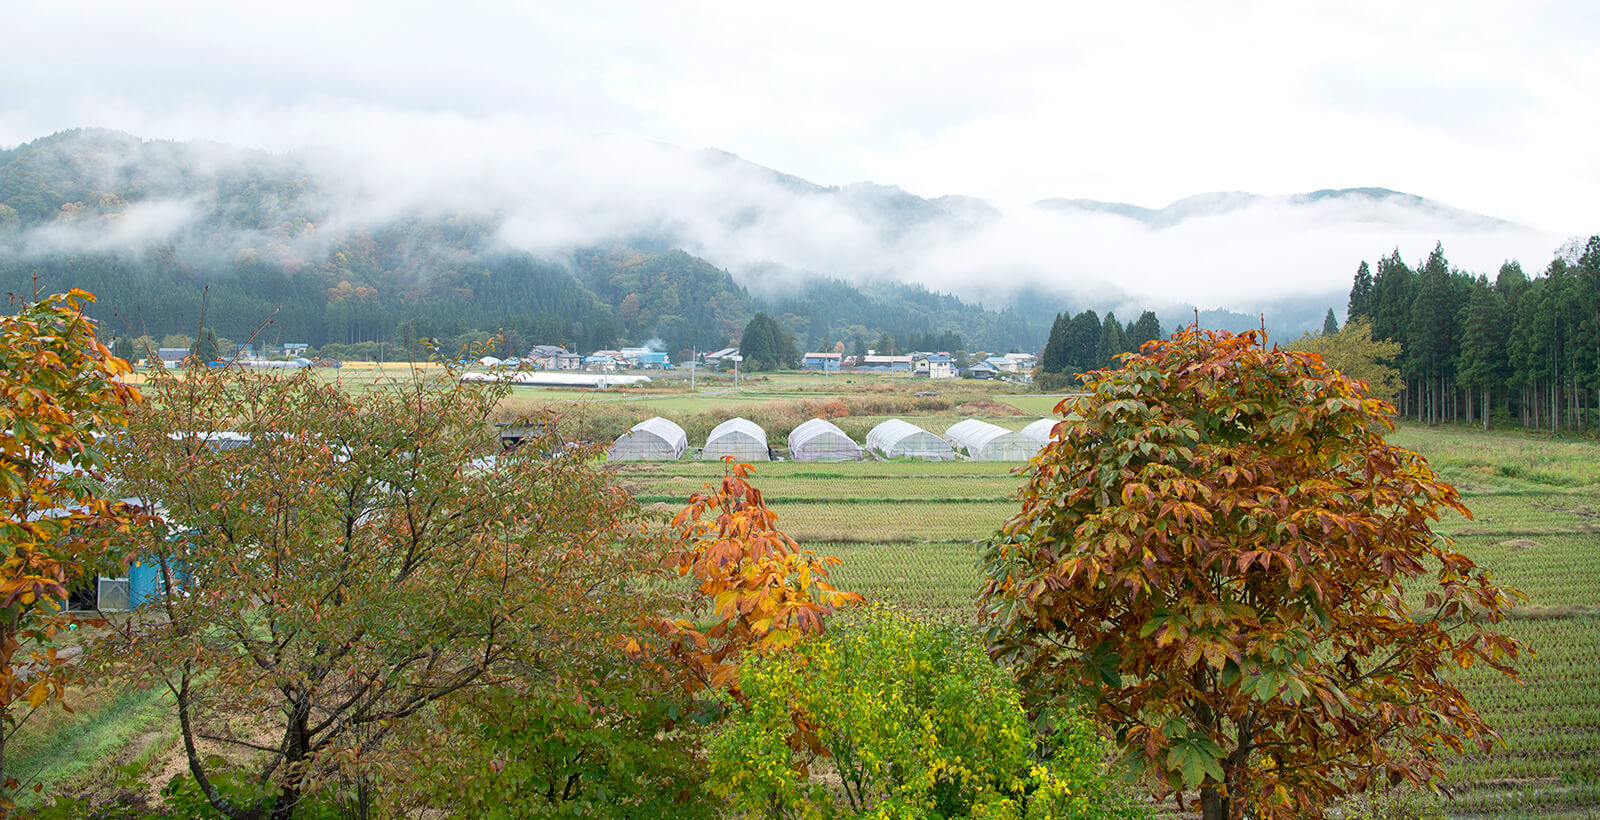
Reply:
x=897, y=438
x=826, y=362
x=654, y=439
x=1004, y=364
x=933, y=365
x=727, y=354
x=599, y=364
x=983, y=370
x=738, y=437
x=982, y=441
x=552, y=357
x=822, y=440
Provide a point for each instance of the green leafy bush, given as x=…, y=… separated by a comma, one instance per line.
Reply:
x=887, y=717
x=617, y=744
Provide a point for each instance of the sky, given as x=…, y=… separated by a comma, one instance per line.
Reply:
x=1488, y=107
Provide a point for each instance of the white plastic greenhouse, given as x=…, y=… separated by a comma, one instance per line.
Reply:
x=654, y=439
x=1039, y=431
x=738, y=437
x=902, y=439
x=822, y=440
x=982, y=441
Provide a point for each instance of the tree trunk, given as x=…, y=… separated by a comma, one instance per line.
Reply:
x=216, y=798
x=1213, y=806
x=297, y=747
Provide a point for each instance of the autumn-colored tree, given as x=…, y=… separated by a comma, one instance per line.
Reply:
x=1351, y=350
x=59, y=389
x=1222, y=551
x=350, y=560
x=763, y=591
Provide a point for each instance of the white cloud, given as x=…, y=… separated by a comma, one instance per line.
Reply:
x=1486, y=106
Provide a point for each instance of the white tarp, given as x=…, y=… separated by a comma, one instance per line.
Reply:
x=982, y=441
x=896, y=438
x=654, y=439
x=544, y=378
x=1039, y=431
x=822, y=440
x=741, y=438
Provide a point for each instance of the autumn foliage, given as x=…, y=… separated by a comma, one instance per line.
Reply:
x=760, y=590
x=1220, y=550
x=59, y=389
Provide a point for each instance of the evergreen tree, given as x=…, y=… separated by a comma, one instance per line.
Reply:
x=1054, y=359
x=1083, y=342
x=1111, y=342
x=1360, y=293
x=1390, y=306
x=764, y=345
x=1482, y=364
x=1511, y=281
x=1147, y=328
x=206, y=348
x=1330, y=325
x=860, y=350
x=1430, y=336
x=122, y=348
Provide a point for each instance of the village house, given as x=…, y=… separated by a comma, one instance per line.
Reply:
x=826, y=362
x=552, y=357
x=933, y=365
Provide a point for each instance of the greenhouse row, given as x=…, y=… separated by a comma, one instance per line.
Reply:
x=658, y=439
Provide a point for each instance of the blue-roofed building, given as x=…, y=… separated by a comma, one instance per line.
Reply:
x=933, y=365
x=826, y=362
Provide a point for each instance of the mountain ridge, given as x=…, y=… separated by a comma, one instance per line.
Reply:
x=359, y=254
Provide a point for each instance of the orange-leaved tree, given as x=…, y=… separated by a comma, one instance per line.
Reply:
x=1220, y=549
x=761, y=589
x=59, y=389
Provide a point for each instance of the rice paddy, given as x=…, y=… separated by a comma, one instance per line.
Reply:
x=905, y=533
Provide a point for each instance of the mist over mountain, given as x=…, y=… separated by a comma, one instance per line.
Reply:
x=346, y=245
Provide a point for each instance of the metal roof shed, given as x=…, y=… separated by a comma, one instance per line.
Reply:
x=738, y=437
x=902, y=439
x=982, y=441
x=822, y=440
x=654, y=439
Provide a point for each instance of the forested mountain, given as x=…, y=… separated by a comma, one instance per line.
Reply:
x=1472, y=347
x=162, y=230
x=681, y=249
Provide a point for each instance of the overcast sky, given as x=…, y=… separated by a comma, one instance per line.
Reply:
x=1490, y=107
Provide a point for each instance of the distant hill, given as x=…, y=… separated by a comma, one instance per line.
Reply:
x=162, y=230
x=676, y=247
x=1220, y=203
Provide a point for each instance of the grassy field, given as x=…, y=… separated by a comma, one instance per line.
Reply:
x=905, y=533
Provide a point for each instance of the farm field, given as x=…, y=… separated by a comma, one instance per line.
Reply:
x=904, y=532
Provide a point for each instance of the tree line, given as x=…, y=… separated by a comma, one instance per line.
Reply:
x=1085, y=342
x=1474, y=349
